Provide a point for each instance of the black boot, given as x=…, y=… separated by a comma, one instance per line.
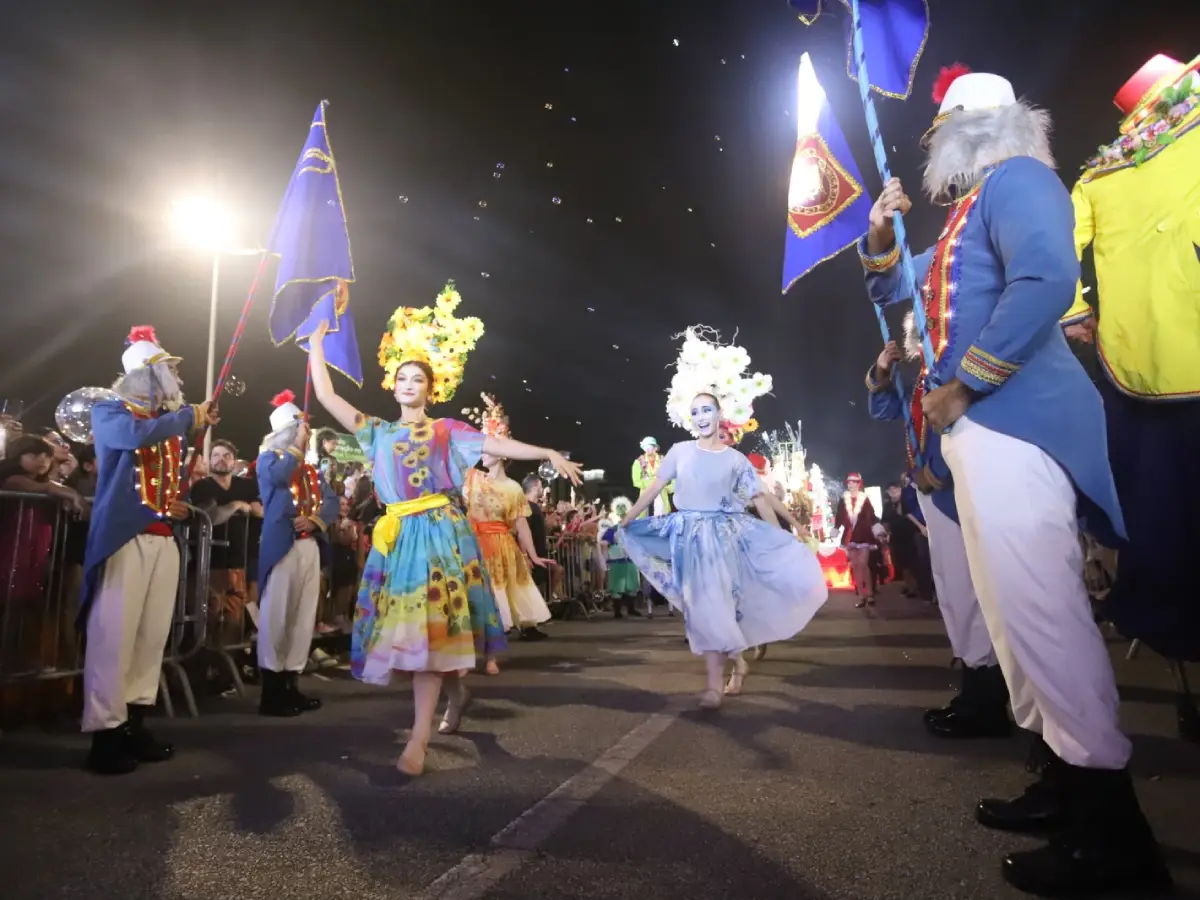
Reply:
x=1106, y=846
x=109, y=754
x=533, y=633
x=304, y=703
x=979, y=711
x=139, y=742
x=1043, y=805
x=276, y=701
x=631, y=606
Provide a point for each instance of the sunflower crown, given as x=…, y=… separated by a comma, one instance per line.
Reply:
x=492, y=420
x=432, y=335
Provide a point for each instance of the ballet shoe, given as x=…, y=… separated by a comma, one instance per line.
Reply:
x=710, y=699
x=412, y=760
x=452, y=718
x=740, y=670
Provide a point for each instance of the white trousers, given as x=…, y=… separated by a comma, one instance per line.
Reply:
x=288, y=609
x=127, y=630
x=660, y=505
x=1017, y=509
x=965, y=625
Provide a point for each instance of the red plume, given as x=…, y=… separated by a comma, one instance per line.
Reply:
x=283, y=397
x=946, y=77
x=142, y=333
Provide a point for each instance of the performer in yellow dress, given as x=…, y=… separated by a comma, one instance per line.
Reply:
x=497, y=510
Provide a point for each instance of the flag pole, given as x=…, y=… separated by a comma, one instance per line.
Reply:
x=907, y=270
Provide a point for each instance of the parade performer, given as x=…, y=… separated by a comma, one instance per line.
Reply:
x=624, y=581
x=980, y=709
x=740, y=582
x=496, y=507
x=131, y=564
x=856, y=517
x=1024, y=443
x=645, y=468
x=1136, y=205
x=425, y=605
x=299, y=506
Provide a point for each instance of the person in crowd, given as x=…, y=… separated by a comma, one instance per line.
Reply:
x=900, y=548
x=425, y=606
x=345, y=537
x=1023, y=436
x=230, y=502
x=910, y=508
x=131, y=565
x=624, y=580
x=298, y=508
x=532, y=485
x=856, y=517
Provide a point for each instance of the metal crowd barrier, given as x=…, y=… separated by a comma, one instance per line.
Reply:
x=41, y=564
x=573, y=584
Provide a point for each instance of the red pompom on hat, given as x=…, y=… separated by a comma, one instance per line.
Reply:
x=283, y=397
x=946, y=77
x=141, y=333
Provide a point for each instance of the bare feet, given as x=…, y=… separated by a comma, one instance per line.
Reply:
x=412, y=760
x=492, y=668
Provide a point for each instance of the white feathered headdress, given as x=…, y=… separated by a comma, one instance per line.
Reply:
x=706, y=366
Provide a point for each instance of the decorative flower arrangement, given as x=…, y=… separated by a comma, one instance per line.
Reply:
x=491, y=419
x=1154, y=130
x=705, y=366
x=433, y=335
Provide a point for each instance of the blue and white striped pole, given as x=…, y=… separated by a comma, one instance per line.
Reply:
x=908, y=275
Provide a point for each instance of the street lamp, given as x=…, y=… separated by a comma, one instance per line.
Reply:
x=203, y=223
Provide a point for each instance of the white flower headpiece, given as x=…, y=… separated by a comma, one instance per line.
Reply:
x=706, y=366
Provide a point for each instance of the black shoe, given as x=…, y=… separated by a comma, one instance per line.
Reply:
x=301, y=701
x=1106, y=846
x=276, y=701
x=533, y=633
x=1041, y=808
x=139, y=742
x=109, y=754
x=979, y=711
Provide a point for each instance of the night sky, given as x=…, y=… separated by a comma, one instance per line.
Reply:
x=670, y=160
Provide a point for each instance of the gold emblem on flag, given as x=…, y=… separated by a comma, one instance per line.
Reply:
x=820, y=189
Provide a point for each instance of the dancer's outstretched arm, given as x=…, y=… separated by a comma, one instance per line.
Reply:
x=338, y=407
x=644, y=501
x=507, y=448
x=765, y=510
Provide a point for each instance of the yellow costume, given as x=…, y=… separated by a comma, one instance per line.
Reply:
x=1138, y=205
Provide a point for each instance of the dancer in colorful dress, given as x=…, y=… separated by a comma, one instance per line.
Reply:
x=298, y=508
x=496, y=508
x=739, y=581
x=1023, y=435
x=131, y=565
x=425, y=605
x=856, y=517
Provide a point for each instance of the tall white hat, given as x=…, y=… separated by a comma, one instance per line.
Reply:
x=286, y=412
x=142, y=349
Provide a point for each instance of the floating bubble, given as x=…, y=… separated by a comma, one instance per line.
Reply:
x=689, y=209
x=496, y=174
x=722, y=60
x=547, y=472
x=589, y=221
x=590, y=309
x=485, y=274
x=573, y=119
x=483, y=204
x=74, y=413
x=499, y=165
x=577, y=422
x=549, y=106
x=476, y=218
x=556, y=200
x=716, y=137
x=403, y=199
x=618, y=218
x=675, y=41
x=550, y=164
x=234, y=386
x=711, y=244
x=566, y=68
x=616, y=347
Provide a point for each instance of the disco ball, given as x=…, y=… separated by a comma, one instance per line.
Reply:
x=547, y=471
x=234, y=386
x=74, y=413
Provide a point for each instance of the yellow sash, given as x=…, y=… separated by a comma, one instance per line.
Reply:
x=387, y=529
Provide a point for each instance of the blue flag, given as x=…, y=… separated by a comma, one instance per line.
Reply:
x=894, y=35
x=315, y=267
x=827, y=207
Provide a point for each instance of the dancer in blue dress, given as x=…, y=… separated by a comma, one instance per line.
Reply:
x=739, y=581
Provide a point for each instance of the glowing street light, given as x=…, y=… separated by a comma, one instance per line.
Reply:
x=805, y=184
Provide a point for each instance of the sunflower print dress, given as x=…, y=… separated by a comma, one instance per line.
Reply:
x=425, y=605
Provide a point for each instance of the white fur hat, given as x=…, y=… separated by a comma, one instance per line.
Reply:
x=286, y=412
x=142, y=349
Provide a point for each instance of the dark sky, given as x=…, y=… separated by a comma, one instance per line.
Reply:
x=107, y=117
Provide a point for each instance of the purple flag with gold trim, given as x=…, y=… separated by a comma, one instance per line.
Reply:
x=894, y=35
x=827, y=207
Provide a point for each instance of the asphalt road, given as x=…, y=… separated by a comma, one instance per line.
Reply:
x=583, y=771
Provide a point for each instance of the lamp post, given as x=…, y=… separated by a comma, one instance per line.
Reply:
x=203, y=223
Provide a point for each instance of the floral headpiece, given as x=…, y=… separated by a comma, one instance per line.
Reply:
x=705, y=366
x=432, y=335
x=737, y=432
x=491, y=419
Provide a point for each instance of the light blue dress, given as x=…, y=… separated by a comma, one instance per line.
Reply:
x=738, y=581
